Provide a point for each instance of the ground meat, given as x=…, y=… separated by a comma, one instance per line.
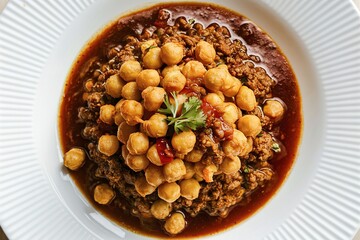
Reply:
x=262, y=146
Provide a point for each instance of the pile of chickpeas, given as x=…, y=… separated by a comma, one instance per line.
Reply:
x=140, y=88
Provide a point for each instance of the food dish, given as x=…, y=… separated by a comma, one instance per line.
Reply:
x=45, y=195
x=178, y=118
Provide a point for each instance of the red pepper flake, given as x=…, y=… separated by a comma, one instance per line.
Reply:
x=164, y=150
x=209, y=110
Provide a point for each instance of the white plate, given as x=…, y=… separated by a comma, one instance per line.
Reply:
x=40, y=40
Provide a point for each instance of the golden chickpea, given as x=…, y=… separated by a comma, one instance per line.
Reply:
x=230, y=165
x=153, y=98
x=193, y=69
x=137, y=163
x=181, y=99
x=131, y=92
x=172, y=53
x=174, y=170
x=233, y=89
x=175, y=223
x=107, y=113
x=152, y=58
x=156, y=126
x=168, y=69
x=190, y=172
x=124, y=152
x=190, y=188
x=117, y=115
x=103, y=194
x=250, y=125
x=129, y=70
x=205, y=172
x=160, y=209
x=154, y=175
x=108, y=144
x=132, y=111
x=214, y=78
x=143, y=187
x=205, y=52
x=148, y=78
x=248, y=148
x=169, y=192
x=194, y=156
x=183, y=142
x=114, y=85
x=153, y=155
x=124, y=131
x=138, y=143
x=74, y=158
x=235, y=145
x=245, y=99
x=274, y=109
x=174, y=81
x=145, y=46
x=231, y=112
x=213, y=99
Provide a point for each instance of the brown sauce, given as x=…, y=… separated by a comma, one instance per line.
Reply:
x=270, y=55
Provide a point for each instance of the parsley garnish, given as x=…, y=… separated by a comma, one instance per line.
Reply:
x=246, y=169
x=276, y=147
x=191, y=21
x=192, y=117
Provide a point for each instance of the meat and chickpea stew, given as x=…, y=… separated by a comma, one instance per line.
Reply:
x=180, y=119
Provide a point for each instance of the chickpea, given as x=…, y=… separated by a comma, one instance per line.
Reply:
x=174, y=81
x=205, y=172
x=235, y=145
x=131, y=92
x=245, y=99
x=274, y=109
x=153, y=155
x=124, y=152
x=156, y=126
x=234, y=88
x=74, y=158
x=148, y=78
x=168, y=69
x=213, y=99
x=152, y=58
x=230, y=165
x=248, y=148
x=231, y=112
x=132, y=111
x=103, y=194
x=205, y=52
x=117, y=115
x=214, y=78
x=107, y=113
x=160, y=209
x=194, y=156
x=114, y=85
x=169, y=192
x=174, y=170
x=190, y=172
x=250, y=125
x=138, y=143
x=193, y=69
x=143, y=187
x=153, y=98
x=129, y=70
x=108, y=144
x=154, y=175
x=190, y=188
x=175, y=223
x=172, y=53
x=181, y=99
x=124, y=131
x=183, y=142
x=147, y=45
x=137, y=163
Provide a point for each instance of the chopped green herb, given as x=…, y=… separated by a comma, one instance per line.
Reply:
x=192, y=117
x=276, y=147
x=244, y=79
x=191, y=21
x=151, y=47
x=246, y=169
x=260, y=134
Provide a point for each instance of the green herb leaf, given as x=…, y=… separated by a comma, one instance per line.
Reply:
x=192, y=117
x=246, y=169
x=244, y=79
x=191, y=21
x=276, y=147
